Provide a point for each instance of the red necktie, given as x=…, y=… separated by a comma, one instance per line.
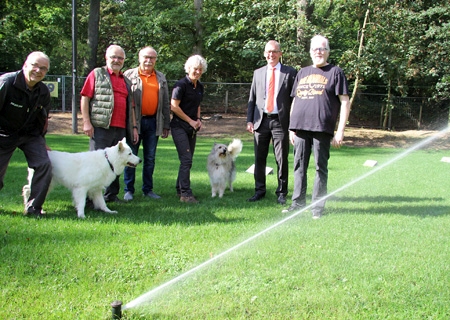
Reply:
x=271, y=93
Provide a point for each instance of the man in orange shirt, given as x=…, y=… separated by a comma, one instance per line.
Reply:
x=151, y=97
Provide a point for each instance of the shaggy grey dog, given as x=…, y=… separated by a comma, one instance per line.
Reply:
x=221, y=166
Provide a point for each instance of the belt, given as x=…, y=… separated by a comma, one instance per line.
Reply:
x=153, y=116
x=271, y=115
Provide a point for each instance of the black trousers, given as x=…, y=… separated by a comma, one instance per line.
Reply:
x=185, y=144
x=105, y=138
x=271, y=130
x=34, y=148
x=318, y=143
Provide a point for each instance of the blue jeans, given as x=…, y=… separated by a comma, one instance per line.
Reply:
x=305, y=143
x=149, y=141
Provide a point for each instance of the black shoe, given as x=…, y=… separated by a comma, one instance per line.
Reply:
x=282, y=200
x=256, y=197
x=113, y=199
x=34, y=212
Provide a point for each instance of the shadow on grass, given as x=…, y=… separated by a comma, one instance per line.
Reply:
x=403, y=205
x=232, y=208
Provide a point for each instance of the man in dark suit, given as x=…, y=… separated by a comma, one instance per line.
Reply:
x=268, y=119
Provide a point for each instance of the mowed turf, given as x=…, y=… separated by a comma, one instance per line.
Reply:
x=379, y=252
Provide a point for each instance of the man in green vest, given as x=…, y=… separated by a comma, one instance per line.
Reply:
x=108, y=115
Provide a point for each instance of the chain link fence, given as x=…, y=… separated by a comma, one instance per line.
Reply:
x=370, y=110
x=401, y=113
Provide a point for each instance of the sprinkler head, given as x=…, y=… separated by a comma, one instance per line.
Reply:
x=116, y=310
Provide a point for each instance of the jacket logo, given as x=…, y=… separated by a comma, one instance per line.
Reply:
x=16, y=105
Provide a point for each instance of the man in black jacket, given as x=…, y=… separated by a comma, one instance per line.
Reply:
x=268, y=112
x=24, y=109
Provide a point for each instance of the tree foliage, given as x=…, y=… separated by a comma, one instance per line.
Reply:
x=406, y=43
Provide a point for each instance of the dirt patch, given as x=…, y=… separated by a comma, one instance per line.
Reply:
x=234, y=125
x=61, y=123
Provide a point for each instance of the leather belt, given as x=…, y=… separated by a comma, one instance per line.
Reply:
x=271, y=115
x=153, y=116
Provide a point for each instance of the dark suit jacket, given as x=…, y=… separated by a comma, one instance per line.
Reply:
x=257, y=97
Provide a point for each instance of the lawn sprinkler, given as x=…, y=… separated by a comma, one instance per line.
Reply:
x=116, y=310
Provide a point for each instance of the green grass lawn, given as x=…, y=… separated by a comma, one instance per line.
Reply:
x=379, y=252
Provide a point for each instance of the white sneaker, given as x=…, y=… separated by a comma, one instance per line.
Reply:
x=316, y=215
x=128, y=196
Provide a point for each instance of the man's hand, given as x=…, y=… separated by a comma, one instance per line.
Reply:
x=338, y=139
x=88, y=129
x=291, y=137
x=135, y=136
x=165, y=133
x=250, y=127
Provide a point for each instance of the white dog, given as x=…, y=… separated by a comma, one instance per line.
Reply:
x=87, y=173
x=221, y=166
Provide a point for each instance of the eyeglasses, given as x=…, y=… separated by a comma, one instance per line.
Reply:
x=41, y=69
x=320, y=49
x=117, y=57
x=149, y=57
x=272, y=51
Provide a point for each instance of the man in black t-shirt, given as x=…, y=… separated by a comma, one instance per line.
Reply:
x=320, y=95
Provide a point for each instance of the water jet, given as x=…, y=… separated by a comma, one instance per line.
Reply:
x=148, y=297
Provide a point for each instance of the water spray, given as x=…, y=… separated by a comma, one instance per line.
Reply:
x=146, y=297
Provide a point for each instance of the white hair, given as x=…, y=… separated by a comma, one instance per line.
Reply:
x=115, y=46
x=321, y=39
x=147, y=47
x=195, y=61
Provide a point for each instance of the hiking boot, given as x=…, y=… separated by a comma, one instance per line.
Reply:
x=188, y=199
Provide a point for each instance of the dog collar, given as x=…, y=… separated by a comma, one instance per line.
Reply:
x=109, y=162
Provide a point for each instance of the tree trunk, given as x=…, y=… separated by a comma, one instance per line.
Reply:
x=304, y=11
x=361, y=45
x=198, y=36
x=93, y=29
x=301, y=15
x=388, y=109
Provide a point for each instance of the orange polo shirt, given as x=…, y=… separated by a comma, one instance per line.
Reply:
x=150, y=90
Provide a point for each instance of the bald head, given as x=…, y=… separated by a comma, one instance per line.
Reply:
x=35, y=68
